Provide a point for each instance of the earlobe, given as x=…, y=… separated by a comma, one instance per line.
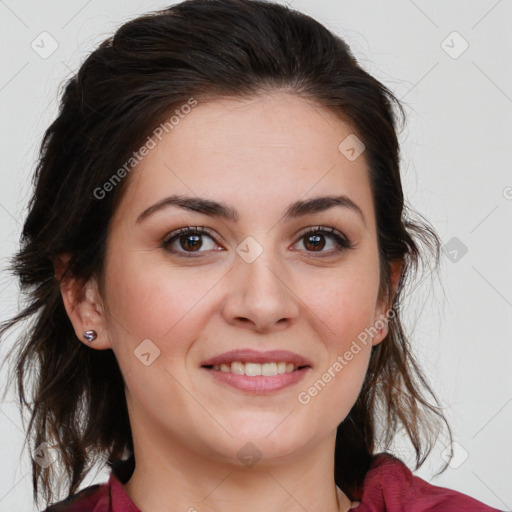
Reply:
x=381, y=326
x=83, y=305
x=396, y=273
x=381, y=320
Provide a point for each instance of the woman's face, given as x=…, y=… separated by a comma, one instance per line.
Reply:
x=257, y=280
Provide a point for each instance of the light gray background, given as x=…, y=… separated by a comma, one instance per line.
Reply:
x=456, y=170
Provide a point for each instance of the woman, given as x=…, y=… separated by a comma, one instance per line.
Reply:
x=215, y=254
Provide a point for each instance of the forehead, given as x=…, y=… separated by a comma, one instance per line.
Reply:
x=265, y=150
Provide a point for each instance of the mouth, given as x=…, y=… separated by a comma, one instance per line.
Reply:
x=250, y=369
x=247, y=359
x=257, y=372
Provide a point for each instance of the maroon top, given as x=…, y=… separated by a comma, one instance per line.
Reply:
x=389, y=486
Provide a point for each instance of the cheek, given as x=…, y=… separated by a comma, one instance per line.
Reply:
x=150, y=302
x=344, y=309
x=162, y=305
x=345, y=304
x=152, y=299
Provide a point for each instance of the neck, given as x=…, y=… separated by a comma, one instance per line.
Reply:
x=171, y=476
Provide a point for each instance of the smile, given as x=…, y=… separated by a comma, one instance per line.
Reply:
x=254, y=369
x=249, y=377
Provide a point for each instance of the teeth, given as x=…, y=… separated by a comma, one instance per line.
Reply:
x=254, y=369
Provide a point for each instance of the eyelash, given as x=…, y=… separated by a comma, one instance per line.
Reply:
x=342, y=242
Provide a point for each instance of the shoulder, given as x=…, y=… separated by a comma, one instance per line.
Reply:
x=95, y=498
x=391, y=486
x=106, y=497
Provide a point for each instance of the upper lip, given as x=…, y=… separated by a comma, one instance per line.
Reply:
x=253, y=356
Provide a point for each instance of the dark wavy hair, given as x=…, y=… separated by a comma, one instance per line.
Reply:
x=131, y=83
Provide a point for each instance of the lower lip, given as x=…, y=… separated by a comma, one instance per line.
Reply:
x=259, y=383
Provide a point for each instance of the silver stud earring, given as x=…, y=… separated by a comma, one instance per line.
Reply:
x=90, y=335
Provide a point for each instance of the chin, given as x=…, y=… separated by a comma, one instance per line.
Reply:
x=266, y=440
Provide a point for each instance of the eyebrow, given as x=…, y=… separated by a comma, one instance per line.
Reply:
x=223, y=211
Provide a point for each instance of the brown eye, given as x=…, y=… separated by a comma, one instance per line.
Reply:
x=315, y=240
x=189, y=240
x=193, y=242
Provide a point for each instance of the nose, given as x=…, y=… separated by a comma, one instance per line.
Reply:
x=260, y=295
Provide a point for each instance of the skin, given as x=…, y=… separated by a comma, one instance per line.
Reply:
x=258, y=155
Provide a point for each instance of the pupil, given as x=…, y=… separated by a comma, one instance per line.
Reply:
x=196, y=243
x=316, y=239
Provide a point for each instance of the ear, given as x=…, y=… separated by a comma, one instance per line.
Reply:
x=83, y=305
x=382, y=312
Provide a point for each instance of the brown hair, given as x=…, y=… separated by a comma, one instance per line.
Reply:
x=124, y=89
